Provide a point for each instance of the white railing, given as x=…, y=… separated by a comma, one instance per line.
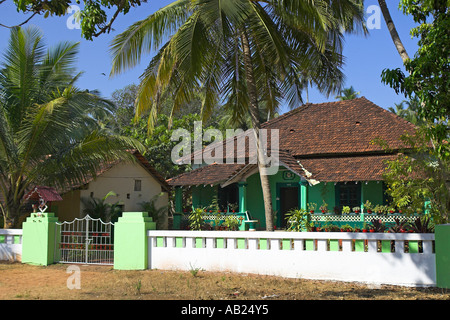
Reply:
x=373, y=258
x=11, y=244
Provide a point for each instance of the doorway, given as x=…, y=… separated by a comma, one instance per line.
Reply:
x=288, y=196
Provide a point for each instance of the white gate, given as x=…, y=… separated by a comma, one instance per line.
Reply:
x=86, y=241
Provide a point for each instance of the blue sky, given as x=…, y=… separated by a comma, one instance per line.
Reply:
x=365, y=56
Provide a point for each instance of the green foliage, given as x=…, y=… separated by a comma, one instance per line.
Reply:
x=196, y=221
x=424, y=174
x=154, y=210
x=311, y=206
x=324, y=207
x=348, y=94
x=346, y=209
x=231, y=223
x=298, y=220
x=204, y=52
x=48, y=131
x=417, y=180
x=368, y=206
x=93, y=16
x=100, y=209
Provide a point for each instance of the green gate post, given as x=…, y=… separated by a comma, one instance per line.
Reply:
x=39, y=239
x=130, y=241
x=442, y=255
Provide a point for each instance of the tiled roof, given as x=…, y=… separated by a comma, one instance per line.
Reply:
x=210, y=174
x=338, y=127
x=350, y=168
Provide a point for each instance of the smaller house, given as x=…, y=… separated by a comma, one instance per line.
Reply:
x=133, y=184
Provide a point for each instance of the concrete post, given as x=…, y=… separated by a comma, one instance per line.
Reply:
x=242, y=196
x=39, y=239
x=130, y=241
x=442, y=255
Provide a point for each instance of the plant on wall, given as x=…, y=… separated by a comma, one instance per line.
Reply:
x=312, y=207
x=196, y=221
x=324, y=207
x=298, y=220
x=346, y=209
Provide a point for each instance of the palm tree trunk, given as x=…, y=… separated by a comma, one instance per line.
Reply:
x=393, y=31
x=256, y=123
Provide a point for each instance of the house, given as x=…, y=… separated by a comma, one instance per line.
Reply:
x=133, y=184
x=326, y=155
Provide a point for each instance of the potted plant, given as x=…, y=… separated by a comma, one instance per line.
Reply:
x=380, y=209
x=233, y=207
x=312, y=207
x=346, y=209
x=324, y=207
x=368, y=206
x=391, y=209
x=346, y=228
x=356, y=209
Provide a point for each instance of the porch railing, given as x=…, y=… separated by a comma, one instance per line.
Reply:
x=358, y=220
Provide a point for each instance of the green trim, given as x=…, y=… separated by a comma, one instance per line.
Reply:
x=413, y=246
x=286, y=244
x=242, y=187
x=199, y=243
x=131, y=241
x=334, y=245
x=160, y=242
x=179, y=242
x=220, y=243
x=178, y=199
x=309, y=245
x=263, y=244
x=241, y=243
x=386, y=246
x=359, y=246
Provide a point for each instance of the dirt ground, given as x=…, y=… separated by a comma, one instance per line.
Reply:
x=27, y=282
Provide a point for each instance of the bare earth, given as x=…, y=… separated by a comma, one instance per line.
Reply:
x=28, y=282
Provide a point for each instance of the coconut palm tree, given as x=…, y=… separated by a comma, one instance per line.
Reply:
x=348, y=94
x=242, y=53
x=47, y=134
x=393, y=31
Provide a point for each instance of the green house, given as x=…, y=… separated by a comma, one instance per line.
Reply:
x=325, y=154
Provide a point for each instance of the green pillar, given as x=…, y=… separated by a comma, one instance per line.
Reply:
x=242, y=196
x=195, y=197
x=303, y=195
x=130, y=241
x=39, y=239
x=442, y=255
x=178, y=199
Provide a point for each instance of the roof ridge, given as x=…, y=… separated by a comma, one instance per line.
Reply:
x=305, y=106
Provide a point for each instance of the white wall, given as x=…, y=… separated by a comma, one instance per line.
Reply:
x=120, y=179
x=11, y=248
x=372, y=267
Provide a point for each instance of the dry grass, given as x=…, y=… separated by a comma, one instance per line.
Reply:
x=27, y=282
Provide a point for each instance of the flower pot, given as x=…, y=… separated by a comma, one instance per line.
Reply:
x=312, y=211
x=369, y=211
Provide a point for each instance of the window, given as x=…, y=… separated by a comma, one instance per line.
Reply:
x=228, y=195
x=137, y=185
x=348, y=194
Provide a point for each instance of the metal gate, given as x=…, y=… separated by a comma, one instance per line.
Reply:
x=86, y=240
